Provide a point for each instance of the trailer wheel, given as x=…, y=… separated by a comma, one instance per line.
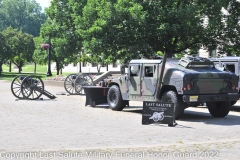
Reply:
x=171, y=96
x=219, y=109
x=114, y=99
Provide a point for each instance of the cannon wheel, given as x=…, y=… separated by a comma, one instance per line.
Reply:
x=82, y=80
x=32, y=87
x=69, y=83
x=16, y=86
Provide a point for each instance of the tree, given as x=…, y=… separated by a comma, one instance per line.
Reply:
x=22, y=14
x=60, y=28
x=5, y=51
x=231, y=43
x=126, y=29
x=142, y=27
x=39, y=55
x=21, y=46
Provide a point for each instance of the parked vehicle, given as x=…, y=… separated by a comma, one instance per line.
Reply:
x=186, y=82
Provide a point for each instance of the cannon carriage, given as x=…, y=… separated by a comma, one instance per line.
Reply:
x=29, y=87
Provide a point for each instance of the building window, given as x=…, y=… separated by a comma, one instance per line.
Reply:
x=114, y=64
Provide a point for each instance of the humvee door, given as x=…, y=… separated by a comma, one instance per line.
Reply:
x=149, y=79
x=134, y=77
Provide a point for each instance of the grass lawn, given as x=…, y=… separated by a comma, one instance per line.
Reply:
x=29, y=70
x=9, y=76
x=26, y=70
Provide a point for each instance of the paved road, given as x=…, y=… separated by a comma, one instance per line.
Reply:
x=65, y=128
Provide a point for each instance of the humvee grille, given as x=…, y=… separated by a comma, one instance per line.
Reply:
x=210, y=86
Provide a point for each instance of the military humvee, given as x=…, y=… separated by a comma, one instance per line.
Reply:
x=186, y=82
x=230, y=64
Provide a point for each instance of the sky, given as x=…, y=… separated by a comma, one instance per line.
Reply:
x=43, y=3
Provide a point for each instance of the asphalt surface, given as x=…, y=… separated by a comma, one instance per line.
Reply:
x=64, y=128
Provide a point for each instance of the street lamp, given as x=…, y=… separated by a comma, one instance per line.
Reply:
x=47, y=47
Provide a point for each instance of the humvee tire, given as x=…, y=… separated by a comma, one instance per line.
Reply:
x=219, y=109
x=114, y=99
x=171, y=96
x=233, y=102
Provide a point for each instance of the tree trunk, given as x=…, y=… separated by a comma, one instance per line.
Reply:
x=19, y=69
x=80, y=67
x=169, y=53
x=35, y=67
x=10, y=66
x=1, y=68
x=61, y=71
x=57, y=67
x=98, y=68
x=107, y=67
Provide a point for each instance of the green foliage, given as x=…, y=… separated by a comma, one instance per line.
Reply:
x=60, y=31
x=21, y=46
x=125, y=29
x=21, y=14
x=40, y=55
x=5, y=52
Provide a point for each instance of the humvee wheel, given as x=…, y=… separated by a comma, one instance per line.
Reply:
x=171, y=96
x=114, y=99
x=233, y=102
x=69, y=83
x=219, y=109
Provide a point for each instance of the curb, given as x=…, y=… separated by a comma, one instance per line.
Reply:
x=53, y=83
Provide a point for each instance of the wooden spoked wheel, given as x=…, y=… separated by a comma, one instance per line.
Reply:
x=82, y=80
x=32, y=87
x=69, y=83
x=16, y=86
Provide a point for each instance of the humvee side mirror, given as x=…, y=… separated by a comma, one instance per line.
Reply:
x=123, y=66
x=122, y=70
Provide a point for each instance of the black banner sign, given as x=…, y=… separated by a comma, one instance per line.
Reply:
x=158, y=112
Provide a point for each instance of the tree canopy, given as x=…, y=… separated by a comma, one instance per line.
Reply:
x=22, y=14
x=126, y=29
x=20, y=45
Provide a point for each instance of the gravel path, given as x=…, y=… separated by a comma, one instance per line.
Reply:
x=64, y=128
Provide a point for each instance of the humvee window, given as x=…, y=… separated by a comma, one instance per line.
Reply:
x=134, y=70
x=230, y=68
x=148, y=71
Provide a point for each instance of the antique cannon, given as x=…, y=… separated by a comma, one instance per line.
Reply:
x=29, y=87
x=74, y=82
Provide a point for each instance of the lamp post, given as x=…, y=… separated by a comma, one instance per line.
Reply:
x=48, y=47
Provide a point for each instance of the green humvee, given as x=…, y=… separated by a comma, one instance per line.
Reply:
x=186, y=82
